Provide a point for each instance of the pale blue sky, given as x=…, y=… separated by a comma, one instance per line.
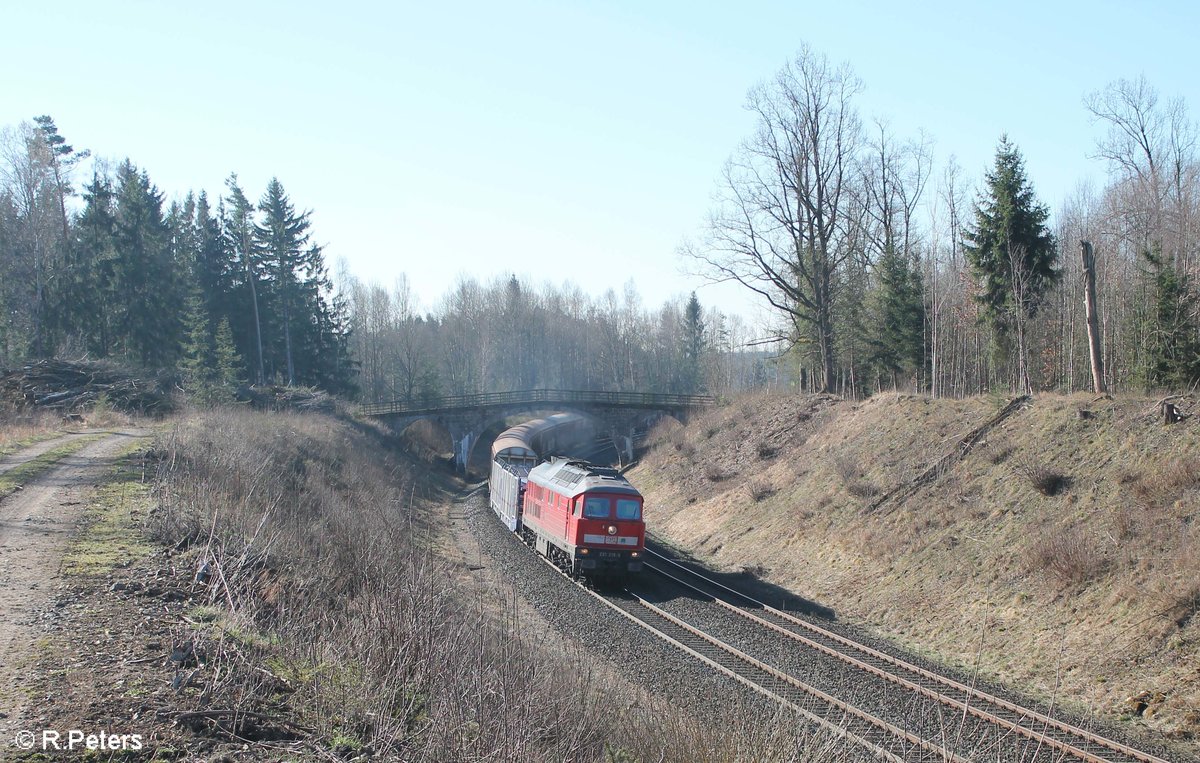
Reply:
x=561, y=140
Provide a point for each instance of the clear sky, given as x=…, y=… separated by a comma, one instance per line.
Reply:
x=558, y=140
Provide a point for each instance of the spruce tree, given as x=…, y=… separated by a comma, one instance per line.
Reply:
x=1011, y=253
x=228, y=362
x=1009, y=219
x=283, y=236
x=241, y=252
x=197, y=366
x=83, y=295
x=146, y=281
x=898, y=343
x=694, y=343
x=1172, y=358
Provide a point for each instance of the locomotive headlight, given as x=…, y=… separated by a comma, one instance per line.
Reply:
x=583, y=551
x=635, y=554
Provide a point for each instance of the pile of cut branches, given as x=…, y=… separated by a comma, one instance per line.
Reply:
x=69, y=386
x=278, y=398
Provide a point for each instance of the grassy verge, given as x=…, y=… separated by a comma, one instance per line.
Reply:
x=16, y=478
x=112, y=533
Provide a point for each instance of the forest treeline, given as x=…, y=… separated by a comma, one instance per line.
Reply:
x=879, y=272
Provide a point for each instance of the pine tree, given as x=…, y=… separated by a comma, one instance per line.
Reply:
x=1011, y=253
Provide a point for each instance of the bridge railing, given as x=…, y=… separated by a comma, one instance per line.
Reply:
x=524, y=397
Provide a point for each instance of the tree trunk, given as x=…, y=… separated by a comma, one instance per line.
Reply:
x=1093, y=319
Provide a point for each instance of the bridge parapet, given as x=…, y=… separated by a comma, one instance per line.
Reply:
x=650, y=400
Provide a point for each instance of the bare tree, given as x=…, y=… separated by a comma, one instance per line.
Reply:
x=1152, y=147
x=780, y=227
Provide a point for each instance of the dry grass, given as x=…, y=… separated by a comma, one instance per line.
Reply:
x=330, y=592
x=21, y=428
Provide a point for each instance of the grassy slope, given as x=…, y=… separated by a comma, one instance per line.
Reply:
x=1092, y=589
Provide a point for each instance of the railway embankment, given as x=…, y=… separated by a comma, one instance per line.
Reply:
x=1049, y=545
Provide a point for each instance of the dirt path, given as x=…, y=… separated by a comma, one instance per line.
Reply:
x=35, y=524
x=24, y=456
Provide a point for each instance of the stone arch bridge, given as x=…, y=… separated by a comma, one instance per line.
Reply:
x=466, y=417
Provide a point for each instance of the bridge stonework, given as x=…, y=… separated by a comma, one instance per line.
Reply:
x=467, y=417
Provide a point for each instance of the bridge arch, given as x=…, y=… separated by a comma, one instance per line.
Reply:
x=466, y=417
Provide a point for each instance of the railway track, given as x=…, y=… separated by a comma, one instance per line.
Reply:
x=1068, y=742
x=879, y=738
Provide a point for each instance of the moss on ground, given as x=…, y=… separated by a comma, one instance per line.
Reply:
x=111, y=532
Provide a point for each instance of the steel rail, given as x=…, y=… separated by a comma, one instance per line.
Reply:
x=1027, y=715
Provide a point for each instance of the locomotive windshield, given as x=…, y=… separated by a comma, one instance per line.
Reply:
x=596, y=508
x=627, y=508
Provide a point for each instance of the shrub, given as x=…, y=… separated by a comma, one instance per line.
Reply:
x=1068, y=556
x=766, y=449
x=759, y=489
x=1042, y=478
x=716, y=472
x=862, y=488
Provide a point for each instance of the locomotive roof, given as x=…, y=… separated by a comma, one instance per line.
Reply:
x=573, y=477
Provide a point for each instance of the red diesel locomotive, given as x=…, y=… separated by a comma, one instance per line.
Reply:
x=587, y=519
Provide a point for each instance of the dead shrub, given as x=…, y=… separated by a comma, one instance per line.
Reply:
x=846, y=467
x=863, y=489
x=716, y=473
x=1068, y=555
x=1181, y=474
x=1001, y=455
x=849, y=469
x=766, y=449
x=759, y=489
x=1123, y=524
x=1042, y=478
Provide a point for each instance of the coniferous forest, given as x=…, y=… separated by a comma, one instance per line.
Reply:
x=880, y=272
x=225, y=290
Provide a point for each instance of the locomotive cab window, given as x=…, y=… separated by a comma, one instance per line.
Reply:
x=596, y=508
x=628, y=508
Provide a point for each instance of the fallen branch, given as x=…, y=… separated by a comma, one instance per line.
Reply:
x=230, y=714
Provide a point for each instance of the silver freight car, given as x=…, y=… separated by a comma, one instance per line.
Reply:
x=517, y=450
